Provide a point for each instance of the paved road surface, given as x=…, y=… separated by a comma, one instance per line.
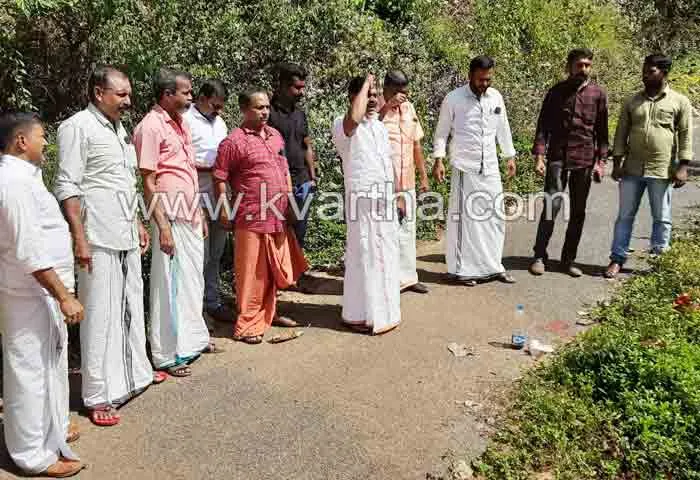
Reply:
x=336, y=405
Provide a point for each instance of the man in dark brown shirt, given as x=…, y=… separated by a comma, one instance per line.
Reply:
x=571, y=146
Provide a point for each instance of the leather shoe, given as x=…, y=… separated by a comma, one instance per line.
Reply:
x=612, y=270
x=572, y=270
x=537, y=267
x=280, y=321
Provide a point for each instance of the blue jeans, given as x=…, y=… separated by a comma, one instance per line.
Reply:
x=301, y=193
x=631, y=192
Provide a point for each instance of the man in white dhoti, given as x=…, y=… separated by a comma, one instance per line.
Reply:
x=163, y=141
x=474, y=116
x=96, y=185
x=36, y=280
x=405, y=135
x=371, y=300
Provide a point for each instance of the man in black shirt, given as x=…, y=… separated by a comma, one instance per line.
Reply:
x=291, y=123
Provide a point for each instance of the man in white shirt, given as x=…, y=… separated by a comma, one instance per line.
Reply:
x=208, y=130
x=474, y=117
x=36, y=302
x=96, y=182
x=371, y=302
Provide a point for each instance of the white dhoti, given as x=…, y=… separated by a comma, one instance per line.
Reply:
x=178, y=333
x=371, y=289
x=407, y=242
x=115, y=365
x=475, y=226
x=35, y=379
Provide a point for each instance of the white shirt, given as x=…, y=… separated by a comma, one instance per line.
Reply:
x=97, y=163
x=206, y=136
x=475, y=125
x=366, y=158
x=33, y=234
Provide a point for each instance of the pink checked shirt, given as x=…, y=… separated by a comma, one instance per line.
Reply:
x=247, y=162
x=165, y=147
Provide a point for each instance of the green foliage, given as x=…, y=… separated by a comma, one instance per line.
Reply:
x=623, y=399
x=240, y=41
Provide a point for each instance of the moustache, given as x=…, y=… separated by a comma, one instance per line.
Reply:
x=125, y=108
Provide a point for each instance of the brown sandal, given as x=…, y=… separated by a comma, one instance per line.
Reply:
x=252, y=340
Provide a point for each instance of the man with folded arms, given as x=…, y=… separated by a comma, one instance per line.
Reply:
x=97, y=166
x=36, y=280
x=178, y=334
x=267, y=257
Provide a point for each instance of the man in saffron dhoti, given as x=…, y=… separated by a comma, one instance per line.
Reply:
x=371, y=287
x=178, y=334
x=474, y=117
x=36, y=302
x=97, y=165
x=267, y=256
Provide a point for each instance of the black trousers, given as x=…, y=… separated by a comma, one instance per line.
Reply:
x=556, y=181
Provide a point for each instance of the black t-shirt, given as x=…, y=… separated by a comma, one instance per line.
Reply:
x=294, y=128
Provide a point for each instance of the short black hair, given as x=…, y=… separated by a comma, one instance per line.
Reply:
x=12, y=123
x=166, y=81
x=100, y=77
x=213, y=87
x=396, y=78
x=660, y=61
x=355, y=85
x=246, y=97
x=286, y=72
x=482, y=62
x=578, y=53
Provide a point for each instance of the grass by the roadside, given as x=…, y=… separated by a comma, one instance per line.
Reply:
x=623, y=399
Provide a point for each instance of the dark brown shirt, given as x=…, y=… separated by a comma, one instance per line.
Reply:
x=572, y=129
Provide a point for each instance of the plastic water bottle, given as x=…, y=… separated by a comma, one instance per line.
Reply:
x=519, y=336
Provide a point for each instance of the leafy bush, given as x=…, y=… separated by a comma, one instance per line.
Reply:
x=52, y=45
x=623, y=399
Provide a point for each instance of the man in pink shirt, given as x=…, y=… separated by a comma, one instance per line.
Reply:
x=178, y=333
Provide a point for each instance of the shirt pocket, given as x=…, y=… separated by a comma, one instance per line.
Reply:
x=664, y=117
x=169, y=149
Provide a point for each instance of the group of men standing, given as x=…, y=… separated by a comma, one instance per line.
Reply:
x=190, y=163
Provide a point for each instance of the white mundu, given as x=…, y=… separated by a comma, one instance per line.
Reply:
x=475, y=223
x=97, y=164
x=371, y=287
x=33, y=237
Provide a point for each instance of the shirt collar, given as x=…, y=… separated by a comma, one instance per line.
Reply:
x=194, y=111
x=101, y=116
x=163, y=114
x=470, y=92
x=24, y=166
x=661, y=94
x=277, y=103
x=250, y=131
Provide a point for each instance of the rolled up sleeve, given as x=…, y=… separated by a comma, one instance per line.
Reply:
x=72, y=159
x=22, y=229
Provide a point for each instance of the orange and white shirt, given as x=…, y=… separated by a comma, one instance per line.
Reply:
x=404, y=131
